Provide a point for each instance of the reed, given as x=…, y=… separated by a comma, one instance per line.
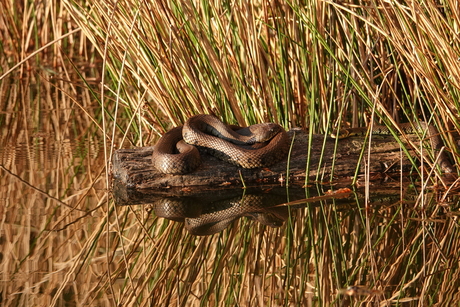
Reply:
x=300, y=63
x=311, y=64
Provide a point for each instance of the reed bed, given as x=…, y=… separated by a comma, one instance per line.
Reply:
x=311, y=64
x=316, y=65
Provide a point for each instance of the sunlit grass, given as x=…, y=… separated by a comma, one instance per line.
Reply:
x=310, y=64
x=314, y=65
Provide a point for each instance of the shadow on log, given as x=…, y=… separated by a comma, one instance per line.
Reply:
x=133, y=167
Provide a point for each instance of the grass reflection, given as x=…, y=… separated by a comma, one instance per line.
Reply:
x=311, y=64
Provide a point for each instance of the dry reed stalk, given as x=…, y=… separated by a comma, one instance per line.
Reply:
x=302, y=64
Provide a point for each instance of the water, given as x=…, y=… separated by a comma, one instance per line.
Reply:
x=65, y=241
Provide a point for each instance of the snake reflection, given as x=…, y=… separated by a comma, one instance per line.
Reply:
x=208, y=218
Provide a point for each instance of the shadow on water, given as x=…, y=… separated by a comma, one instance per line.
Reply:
x=209, y=211
x=206, y=211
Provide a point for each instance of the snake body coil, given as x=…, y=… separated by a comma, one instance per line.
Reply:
x=252, y=147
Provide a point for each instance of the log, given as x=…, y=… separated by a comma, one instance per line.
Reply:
x=327, y=159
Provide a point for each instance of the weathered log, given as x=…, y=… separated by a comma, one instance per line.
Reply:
x=133, y=167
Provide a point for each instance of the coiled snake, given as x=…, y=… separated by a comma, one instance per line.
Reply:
x=256, y=146
x=428, y=131
x=204, y=217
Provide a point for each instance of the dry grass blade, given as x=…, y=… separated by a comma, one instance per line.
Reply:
x=300, y=63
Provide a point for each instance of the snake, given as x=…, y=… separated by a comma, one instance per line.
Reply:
x=421, y=128
x=206, y=218
x=178, y=150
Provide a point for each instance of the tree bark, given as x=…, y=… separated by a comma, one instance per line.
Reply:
x=327, y=158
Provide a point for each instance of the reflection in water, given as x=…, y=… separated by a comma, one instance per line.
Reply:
x=209, y=211
x=43, y=149
x=63, y=243
x=215, y=214
x=50, y=160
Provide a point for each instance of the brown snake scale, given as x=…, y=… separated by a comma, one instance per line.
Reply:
x=256, y=146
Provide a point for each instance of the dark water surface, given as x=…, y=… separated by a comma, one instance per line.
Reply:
x=65, y=240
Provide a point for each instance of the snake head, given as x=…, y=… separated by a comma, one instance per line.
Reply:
x=340, y=134
x=260, y=133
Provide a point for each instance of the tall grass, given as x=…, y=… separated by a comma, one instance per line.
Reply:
x=301, y=63
x=310, y=64
x=247, y=63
